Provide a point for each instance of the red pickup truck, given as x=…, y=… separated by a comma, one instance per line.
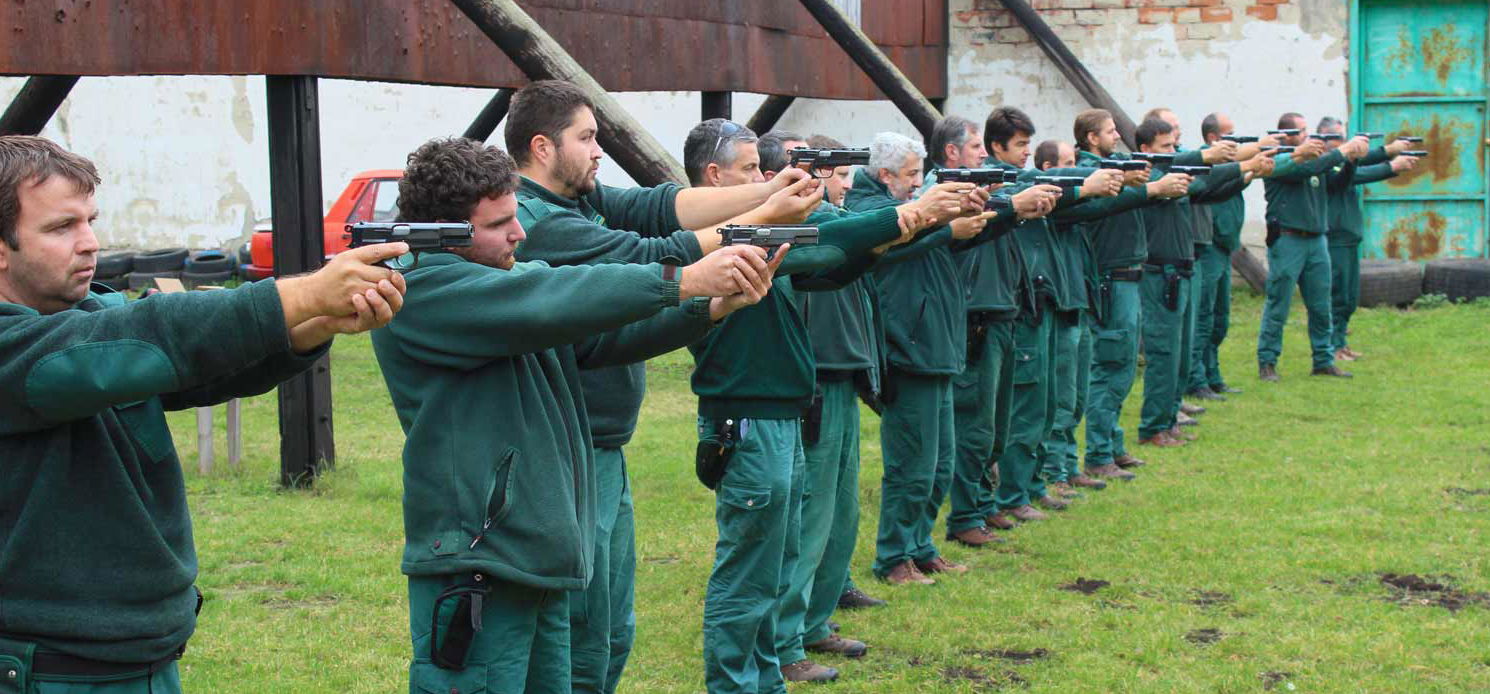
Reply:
x=371, y=196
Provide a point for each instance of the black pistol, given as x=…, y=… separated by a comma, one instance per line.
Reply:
x=1123, y=164
x=421, y=236
x=981, y=177
x=1062, y=181
x=821, y=162
x=1327, y=137
x=768, y=236
x=1289, y=132
x=1155, y=157
x=1191, y=170
x=1240, y=139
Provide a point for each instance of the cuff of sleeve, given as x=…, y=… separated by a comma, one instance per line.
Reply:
x=698, y=306
x=672, y=287
x=269, y=316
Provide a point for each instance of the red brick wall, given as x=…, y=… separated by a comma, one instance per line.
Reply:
x=1074, y=20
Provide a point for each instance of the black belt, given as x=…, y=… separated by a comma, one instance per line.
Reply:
x=48, y=663
x=1125, y=274
x=1296, y=232
x=1181, y=264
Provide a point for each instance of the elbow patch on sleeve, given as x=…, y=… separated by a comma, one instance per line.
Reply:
x=84, y=379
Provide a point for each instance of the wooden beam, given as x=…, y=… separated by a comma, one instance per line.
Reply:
x=1250, y=268
x=35, y=104
x=305, y=437
x=540, y=57
x=490, y=117
x=1055, y=49
x=770, y=111
x=873, y=62
x=716, y=105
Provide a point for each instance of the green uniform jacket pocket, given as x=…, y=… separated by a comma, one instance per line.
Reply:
x=745, y=498
x=1026, y=367
x=1111, y=347
x=499, y=492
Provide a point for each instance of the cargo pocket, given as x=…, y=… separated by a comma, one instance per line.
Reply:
x=15, y=666
x=146, y=421
x=740, y=508
x=428, y=678
x=1026, y=367
x=1112, y=347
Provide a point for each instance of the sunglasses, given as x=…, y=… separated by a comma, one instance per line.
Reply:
x=726, y=131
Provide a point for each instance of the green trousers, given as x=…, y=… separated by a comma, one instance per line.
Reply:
x=830, y=523
x=602, y=618
x=982, y=402
x=1071, y=362
x=1215, y=267
x=916, y=440
x=758, y=511
x=1190, y=303
x=1114, y=366
x=522, y=648
x=1163, y=347
x=1345, y=291
x=1031, y=412
x=1212, y=298
x=18, y=677
x=1303, y=261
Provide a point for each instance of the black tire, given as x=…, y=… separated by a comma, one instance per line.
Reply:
x=209, y=262
x=1458, y=278
x=117, y=284
x=246, y=254
x=165, y=260
x=192, y=280
x=146, y=280
x=114, y=264
x=1390, y=282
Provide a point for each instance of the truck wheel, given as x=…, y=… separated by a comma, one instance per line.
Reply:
x=1390, y=282
x=165, y=260
x=208, y=262
x=1458, y=278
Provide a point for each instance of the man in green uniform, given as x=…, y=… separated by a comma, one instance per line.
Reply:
x=98, y=564
x=1048, y=284
x=1298, y=252
x=499, y=521
x=1379, y=164
x=756, y=599
x=1119, y=245
x=571, y=219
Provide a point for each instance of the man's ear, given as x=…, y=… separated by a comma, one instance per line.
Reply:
x=711, y=174
x=769, y=174
x=949, y=150
x=541, y=148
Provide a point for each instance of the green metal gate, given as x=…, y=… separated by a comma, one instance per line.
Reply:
x=1418, y=67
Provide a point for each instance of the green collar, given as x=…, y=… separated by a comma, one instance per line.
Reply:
x=529, y=187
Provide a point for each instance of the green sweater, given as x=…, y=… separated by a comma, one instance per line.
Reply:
x=1170, y=224
x=1053, y=271
x=1346, y=224
x=483, y=368
x=1118, y=239
x=1296, y=193
x=635, y=225
x=97, y=558
x=843, y=325
x=1075, y=229
x=759, y=362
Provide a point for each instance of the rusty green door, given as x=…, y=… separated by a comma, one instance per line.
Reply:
x=1418, y=67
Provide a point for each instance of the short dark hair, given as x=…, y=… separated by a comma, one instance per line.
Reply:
x=712, y=142
x=952, y=130
x=545, y=107
x=824, y=142
x=1285, y=121
x=773, y=153
x=1327, y=122
x=1211, y=125
x=1088, y=122
x=447, y=177
x=26, y=159
x=1151, y=129
x=1049, y=152
x=1003, y=124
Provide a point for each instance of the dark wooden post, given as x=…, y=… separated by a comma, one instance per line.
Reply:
x=540, y=57
x=34, y=105
x=771, y=110
x=305, y=437
x=715, y=105
x=873, y=62
x=490, y=117
x=1090, y=89
x=1250, y=268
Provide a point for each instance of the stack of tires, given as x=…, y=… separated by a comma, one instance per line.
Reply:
x=207, y=268
x=148, y=265
x=1460, y=279
x=1401, y=282
x=113, y=269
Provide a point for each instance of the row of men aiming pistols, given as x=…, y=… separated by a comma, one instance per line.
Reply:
x=979, y=312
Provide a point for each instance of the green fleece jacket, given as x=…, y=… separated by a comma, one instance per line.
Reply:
x=1053, y=273
x=1296, y=193
x=483, y=368
x=843, y=325
x=1074, y=231
x=96, y=555
x=1118, y=239
x=1170, y=224
x=633, y=225
x=759, y=361
x=1346, y=223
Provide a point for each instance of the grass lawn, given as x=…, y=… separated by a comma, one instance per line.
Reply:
x=1249, y=561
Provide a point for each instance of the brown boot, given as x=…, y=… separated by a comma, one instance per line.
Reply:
x=1343, y=354
x=1331, y=370
x=1028, y=513
x=1178, y=434
x=1110, y=471
x=940, y=565
x=1126, y=461
x=1088, y=483
x=1192, y=410
x=905, y=573
x=1185, y=420
x=1268, y=372
x=1063, y=490
x=808, y=671
x=1161, y=440
x=1354, y=355
x=837, y=645
x=1051, y=503
x=854, y=599
x=975, y=537
x=1000, y=520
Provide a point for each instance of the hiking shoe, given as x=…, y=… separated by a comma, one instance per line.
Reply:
x=837, y=645
x=854, y=599
x=808, y=671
